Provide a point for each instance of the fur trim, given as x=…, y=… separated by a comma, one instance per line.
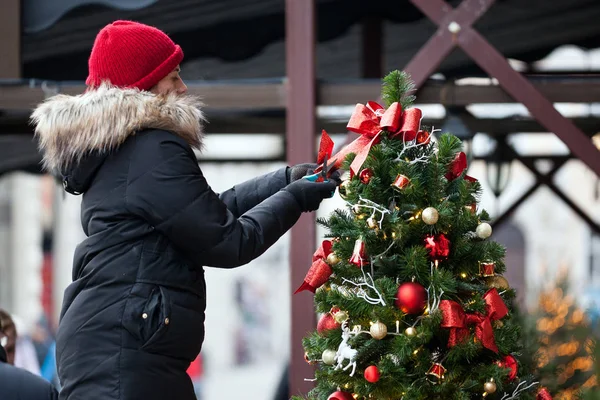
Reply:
x=68, y=127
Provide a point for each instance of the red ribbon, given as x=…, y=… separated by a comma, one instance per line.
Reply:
x=456, y=168
x=319, y=271
x=543, y=394
x=369, y=121
x=457, y=320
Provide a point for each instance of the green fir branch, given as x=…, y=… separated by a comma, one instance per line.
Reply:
x=396, y=88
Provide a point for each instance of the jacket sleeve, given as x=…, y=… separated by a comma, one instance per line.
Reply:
x=242, y=197
x=167, y=189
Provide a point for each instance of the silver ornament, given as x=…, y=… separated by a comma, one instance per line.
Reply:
x=430, y=216
x=484, y=230
x=328, y=357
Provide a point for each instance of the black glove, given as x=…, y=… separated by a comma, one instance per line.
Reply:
x=336, y=177
x=298, y=171
x=310, y=194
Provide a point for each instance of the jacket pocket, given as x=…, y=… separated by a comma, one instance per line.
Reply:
x=157, y=313
x=146, y=315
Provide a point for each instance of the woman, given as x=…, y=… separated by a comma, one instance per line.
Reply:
x=133, y=318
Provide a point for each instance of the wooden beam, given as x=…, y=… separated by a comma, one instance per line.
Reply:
x=248, y=124
x=494, y=63
x=10, y=42
x=301, y=114
x=271, y=95
x=458, y=22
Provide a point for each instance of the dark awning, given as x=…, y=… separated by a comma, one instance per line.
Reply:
x=230, y=39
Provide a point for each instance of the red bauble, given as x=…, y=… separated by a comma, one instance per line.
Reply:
x=327, y=323
x=372, y=374
x=423, y=137
x=365, y=175
x=411, y=298
x=438, y=246
x=509, y=362
x=340, y=396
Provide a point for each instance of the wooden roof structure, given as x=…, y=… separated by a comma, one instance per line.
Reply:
x=424, y=37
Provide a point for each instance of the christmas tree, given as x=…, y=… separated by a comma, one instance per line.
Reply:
x=565, y=345
x=413, y=304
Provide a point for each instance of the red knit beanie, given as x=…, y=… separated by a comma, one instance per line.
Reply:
x=132, y=55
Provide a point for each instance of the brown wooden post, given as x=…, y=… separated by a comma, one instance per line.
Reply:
x=10, y=39
x=300, y=135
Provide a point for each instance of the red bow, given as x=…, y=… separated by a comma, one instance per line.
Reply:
x=457, y=166
x=319, y=271
x=369, y=121
x=455, y=318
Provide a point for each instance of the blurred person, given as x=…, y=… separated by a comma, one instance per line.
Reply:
x=19, y=384
x=196, y=373
x=20, y=349
x=42, y=339
x=25, y=352
x=9, y=334
x=132, y=321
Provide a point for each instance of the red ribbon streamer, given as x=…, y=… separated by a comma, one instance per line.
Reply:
x=457, y=320
x=369, y=121
x=543, y=394
x=319, y=271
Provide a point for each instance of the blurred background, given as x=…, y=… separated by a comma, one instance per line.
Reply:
x=518, y=81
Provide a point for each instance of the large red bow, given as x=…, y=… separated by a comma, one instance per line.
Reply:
x=319, y=271
x=455, y=318
x=369, y=121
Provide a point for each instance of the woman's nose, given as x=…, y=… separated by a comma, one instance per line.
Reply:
x=182, y=88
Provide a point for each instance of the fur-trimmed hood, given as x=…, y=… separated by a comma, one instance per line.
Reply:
x=100, y=120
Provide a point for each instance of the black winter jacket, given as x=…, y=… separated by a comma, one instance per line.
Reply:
x=133, y=318
x=18, y=384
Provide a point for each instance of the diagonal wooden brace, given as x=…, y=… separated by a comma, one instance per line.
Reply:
x=540, y=180
x=547, y=180
x=460, y=21
x=439, y=46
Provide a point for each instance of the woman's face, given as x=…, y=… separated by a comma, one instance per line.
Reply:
x=171, y=83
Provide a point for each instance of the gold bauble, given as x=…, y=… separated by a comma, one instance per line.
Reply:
x=498, y=324
x=498, y=282
x=430, y=216
x=378, y=330
x=340, y=316
x=344, y=189
x=332, y=259
x=372, y=223
x=410, y=331
x=489, y=387
x=328, y=357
